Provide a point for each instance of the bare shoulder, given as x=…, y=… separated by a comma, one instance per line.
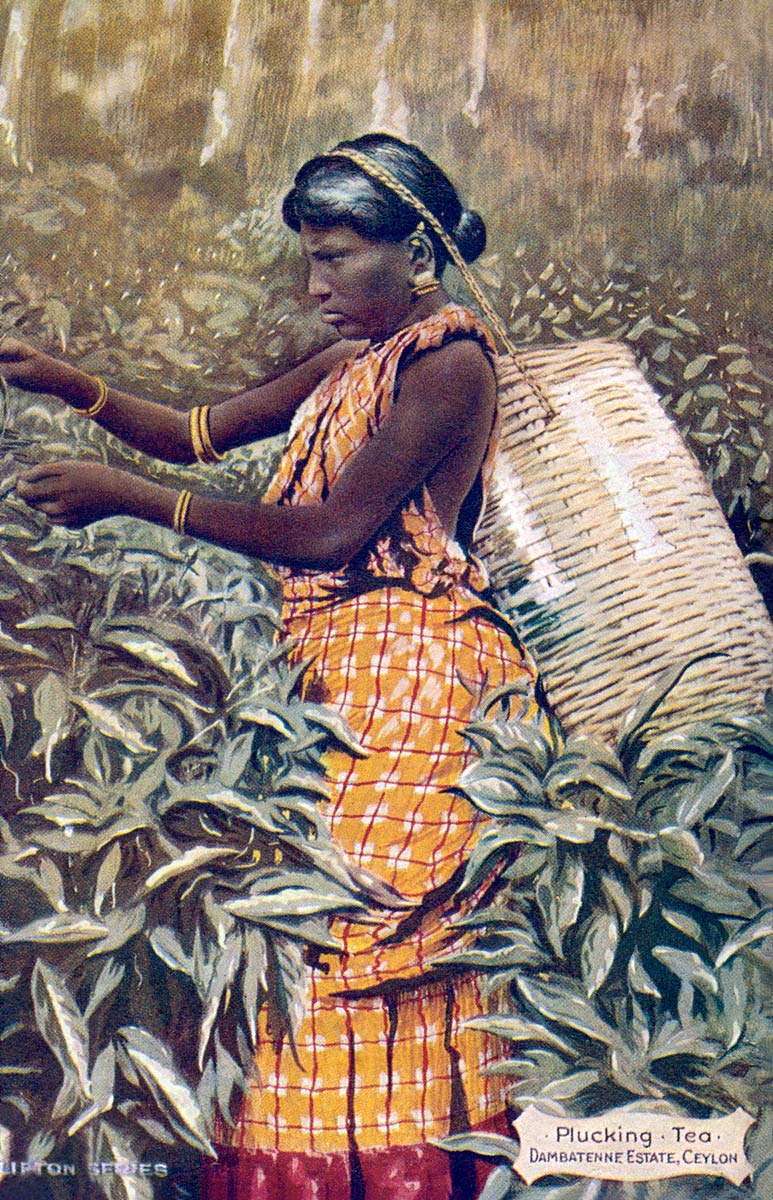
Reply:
x=458, y=372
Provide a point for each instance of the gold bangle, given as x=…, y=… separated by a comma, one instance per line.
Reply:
x=181, y=511
x=206, y=436
x=201, y=439
x=194, y=426
x=100, y=401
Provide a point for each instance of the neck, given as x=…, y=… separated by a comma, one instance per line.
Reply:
x=425, y=306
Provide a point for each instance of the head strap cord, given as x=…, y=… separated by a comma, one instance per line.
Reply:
x=384, y=176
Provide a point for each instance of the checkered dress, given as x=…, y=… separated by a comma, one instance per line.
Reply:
x=403, y=646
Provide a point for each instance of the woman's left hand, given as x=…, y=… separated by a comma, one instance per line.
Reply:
x=74, y=493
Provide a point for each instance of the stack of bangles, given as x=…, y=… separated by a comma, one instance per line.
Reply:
x=201, y=439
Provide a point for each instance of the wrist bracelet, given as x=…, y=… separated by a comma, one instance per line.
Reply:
x=201, y=439
x=100, y=401
x=181, y=511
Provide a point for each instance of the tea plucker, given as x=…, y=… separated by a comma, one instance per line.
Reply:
x=368, y=524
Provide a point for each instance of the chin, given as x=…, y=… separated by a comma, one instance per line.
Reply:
x=353, y=331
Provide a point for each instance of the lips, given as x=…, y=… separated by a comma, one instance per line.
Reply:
x=332, y=318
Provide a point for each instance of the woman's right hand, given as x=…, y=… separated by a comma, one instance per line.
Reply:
x=25, y=367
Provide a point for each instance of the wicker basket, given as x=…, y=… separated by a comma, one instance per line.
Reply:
x=605, y=544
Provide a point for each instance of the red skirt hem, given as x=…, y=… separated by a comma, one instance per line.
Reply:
x=423, y=1172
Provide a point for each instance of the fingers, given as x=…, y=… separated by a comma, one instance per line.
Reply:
x=49, y=496
x=36, y=493
x=53, y=470
x=45, y=481
x=12, y=350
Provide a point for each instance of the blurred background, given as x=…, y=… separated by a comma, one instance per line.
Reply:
x=620, y=150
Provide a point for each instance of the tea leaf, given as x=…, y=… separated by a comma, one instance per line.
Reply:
x=122, y=925
x=512, y=1028
x=113, y=725
x=64, y=927
x=223, y=800
x=106, y=876
x=638, y=978
x=681, y=847
x=254, y=982
x=226, y=966
x=228, y=1075
x=687, y=966
x=167, y=946
x=733, y=992
x=269, y=717
x=701, y=794
x=102, y=1083
x=739, y=366
x=46, y=621
x=172, y=1094
x=52, y=884
x=61, y=1022
x=684, y=324
x=577, y=827
x=108, y=980
x=563, y=1001
x=642, y=325
x=650, y=701
x=567, y=774
x=602, y=308
x=149, y=651
x=760, y=927
x=598, y=949
x=51, y=706
x=672, y=1040
x=292, y=901
x=616, y=891
x=336, y=726
x=696, y=366
x=190, y=860
x=114, y=1147
x=487, y=1144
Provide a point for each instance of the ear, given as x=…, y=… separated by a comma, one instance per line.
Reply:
x=422, y=252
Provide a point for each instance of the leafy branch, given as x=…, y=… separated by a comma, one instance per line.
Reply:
x=624, y=928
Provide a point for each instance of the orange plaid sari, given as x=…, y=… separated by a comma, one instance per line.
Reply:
x=403, y=646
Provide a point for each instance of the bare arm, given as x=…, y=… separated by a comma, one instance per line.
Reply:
x=163, y=432
x=445, y=410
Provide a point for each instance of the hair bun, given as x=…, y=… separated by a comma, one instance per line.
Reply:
x=470, y=235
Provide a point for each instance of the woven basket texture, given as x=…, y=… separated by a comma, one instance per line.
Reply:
x=605, y=545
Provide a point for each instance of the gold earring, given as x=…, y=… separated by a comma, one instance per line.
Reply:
x=416, y=241
x=424, y=283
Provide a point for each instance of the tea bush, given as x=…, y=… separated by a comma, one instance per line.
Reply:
x=622, y=935
x=165, y=870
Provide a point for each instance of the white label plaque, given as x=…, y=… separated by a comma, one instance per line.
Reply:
x=631, y=1145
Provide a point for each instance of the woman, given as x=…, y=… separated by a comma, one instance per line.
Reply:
x=368, y=524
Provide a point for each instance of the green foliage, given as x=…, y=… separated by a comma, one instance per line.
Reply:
x=624, y=927
x=166, y=872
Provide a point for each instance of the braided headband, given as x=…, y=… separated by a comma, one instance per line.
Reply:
x=384, y=176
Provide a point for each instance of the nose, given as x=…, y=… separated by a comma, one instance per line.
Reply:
x=316, y=283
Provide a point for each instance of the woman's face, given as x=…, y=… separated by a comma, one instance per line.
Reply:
x=363, y=286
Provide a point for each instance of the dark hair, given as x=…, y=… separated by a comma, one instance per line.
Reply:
x=335, y=191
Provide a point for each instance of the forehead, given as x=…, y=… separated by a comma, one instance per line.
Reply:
x=324, y=238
